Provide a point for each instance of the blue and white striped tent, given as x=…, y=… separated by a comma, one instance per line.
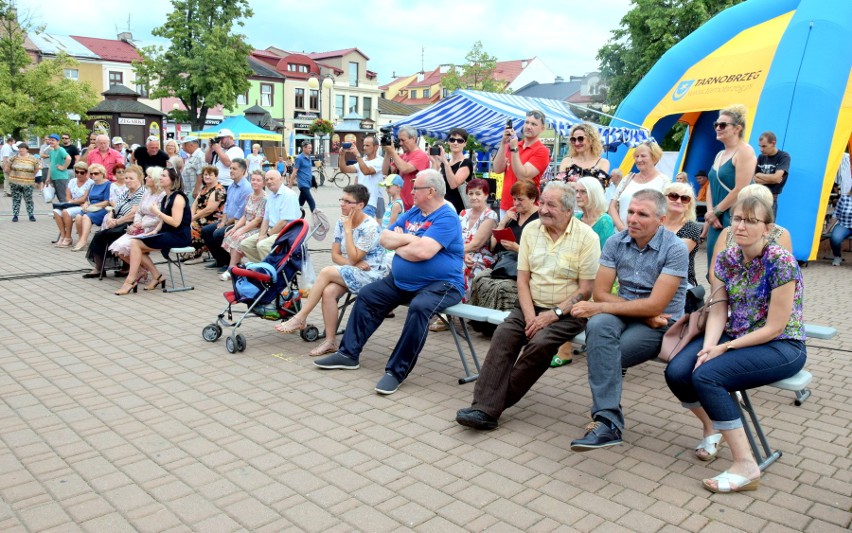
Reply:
x=484, y=116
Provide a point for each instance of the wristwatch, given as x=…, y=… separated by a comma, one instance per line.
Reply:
x=558, y=311
x=513, y=149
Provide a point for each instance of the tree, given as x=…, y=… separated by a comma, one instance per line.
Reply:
x=647, y=31
x=36, y=99
x=477, y=73
x=206, y=64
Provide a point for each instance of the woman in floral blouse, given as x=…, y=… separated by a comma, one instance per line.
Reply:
x=762, y=342
x=248, y=224
x=207, y=207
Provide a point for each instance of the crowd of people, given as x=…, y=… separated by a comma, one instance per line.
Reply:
x=589, y=251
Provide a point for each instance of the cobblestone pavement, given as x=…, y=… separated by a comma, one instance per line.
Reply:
x=117, y=416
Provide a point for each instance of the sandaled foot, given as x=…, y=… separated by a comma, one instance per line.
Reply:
x=707, y=449
x=291, y=326
x=324, y=348
x=728, y=482
x=438, y=325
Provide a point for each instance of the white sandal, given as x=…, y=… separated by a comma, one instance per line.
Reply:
x=728, y=482
x=710, y=445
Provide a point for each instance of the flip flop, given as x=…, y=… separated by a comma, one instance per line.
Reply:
x=557, y=361
x=727, y=482
x=710, y=445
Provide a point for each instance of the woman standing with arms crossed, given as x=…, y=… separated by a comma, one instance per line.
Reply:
x=732, y=170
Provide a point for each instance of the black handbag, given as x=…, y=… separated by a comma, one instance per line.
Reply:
x=506, y=266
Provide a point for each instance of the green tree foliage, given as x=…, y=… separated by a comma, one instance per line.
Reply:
x=477, y=73
x=206, y=64
x=647, y=31
x=36, y=99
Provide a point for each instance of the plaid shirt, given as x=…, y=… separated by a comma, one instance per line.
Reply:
x=843, y=210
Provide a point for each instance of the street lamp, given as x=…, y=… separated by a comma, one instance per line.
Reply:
x=314, y=84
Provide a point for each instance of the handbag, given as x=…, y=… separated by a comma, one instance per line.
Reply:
x=48, y=193
x=506, y=266
x=686, y=328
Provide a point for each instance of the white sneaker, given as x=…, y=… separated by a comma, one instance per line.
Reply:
x=225, y=276
x=837, y=261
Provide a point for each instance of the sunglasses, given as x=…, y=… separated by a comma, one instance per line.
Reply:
x=420, y=188
x=674, y=197
x=95, y=173
x=575, y=140
x=722, y=125
x=79, y=172
x=456, y=140
x=538, y=115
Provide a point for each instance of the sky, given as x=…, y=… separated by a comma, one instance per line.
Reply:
x=397, y=36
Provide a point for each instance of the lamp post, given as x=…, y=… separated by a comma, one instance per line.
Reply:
x=314, y=84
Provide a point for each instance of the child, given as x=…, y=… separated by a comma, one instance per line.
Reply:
x=393, y=184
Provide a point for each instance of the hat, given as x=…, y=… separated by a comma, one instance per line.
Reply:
x=152, y=138
x=391, y=179
x=189, y=139
x=701, y=173
x=54, y=136
x=22, y=144
x=117, y=140
x=225, y=132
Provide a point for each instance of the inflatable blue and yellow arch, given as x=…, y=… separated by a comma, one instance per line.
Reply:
x=789, y=62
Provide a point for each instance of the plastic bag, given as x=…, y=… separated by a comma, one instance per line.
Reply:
x=309, y=275
x=48, y=193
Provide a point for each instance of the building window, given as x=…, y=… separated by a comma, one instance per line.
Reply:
x=427, y=93
x=242, y=99
x=267, y=95
x=293, y=67
x=413, y=93
x=142, y=90
x=339, y=102
x=353, y=74
x=300, y=98
x=315, y=99
x=367, y=103
x=353, y=104
x=115, y=78
x=445, y=93
x=72, y=74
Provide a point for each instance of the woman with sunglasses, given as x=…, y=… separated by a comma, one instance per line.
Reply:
x=732, y=170
x=457, y=170
x=584, y=156
x=94, y=208
x=754, y=336
x=645, y=157
x=359, y=259
x=77, y=192
x=175, y=217
x=680, y=220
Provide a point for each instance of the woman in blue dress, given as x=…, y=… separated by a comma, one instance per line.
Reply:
x=732, y=170
x=358, y=259
x=175, y=233
x=94, y=208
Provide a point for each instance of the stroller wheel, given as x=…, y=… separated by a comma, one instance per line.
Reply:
x=230, y=345
x=310, y=333
x=211, y=332
x=241, y=342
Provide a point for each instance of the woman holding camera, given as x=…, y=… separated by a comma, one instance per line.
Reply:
x=457, y=170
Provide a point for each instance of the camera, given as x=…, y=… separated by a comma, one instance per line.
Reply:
x=215, y=140
x=434, y=150
x=387, y=138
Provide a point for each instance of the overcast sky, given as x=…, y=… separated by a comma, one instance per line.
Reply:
x=395, y=34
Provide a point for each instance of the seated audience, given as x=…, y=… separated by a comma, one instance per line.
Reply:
x=650, y=264
x=247, y=225
x=557, y=262
x=174, y=233
x=145, y=221
x=117, y=221
x=65, y=210
x=282, y=207
x=477, y=222
x=207, y=207
x=754, y=336
x=235, y=205
x=426, y=275
x=119, y=186
x=359, y=259
x=94, y=208
x=680, y=220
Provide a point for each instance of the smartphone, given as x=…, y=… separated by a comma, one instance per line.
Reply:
x=346, y=146
x=509, y=123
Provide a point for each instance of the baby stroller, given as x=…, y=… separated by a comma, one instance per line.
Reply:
x=269, y=289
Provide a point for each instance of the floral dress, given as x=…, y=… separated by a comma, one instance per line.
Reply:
x=144, y=217
x=482, y=258
x=216, y=194
x=255, y=208
x=366, y=238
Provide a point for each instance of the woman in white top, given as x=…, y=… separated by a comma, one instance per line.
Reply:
x=255, y=159
x=646, y=156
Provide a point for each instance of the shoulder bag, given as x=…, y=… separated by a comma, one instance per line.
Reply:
x=687, y=328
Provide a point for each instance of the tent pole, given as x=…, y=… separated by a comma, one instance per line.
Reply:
x=601, y=113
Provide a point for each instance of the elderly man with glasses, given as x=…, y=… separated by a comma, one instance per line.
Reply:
x=426, y=275
x=521, y=161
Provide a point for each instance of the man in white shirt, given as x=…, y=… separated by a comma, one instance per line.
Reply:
x=282, y=207
x=221, y=153
x=369, y=173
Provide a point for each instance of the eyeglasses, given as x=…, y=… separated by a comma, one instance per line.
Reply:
x=722, y=125
x=79, y=172
x=674, y=197
x=347, y=202
x=736, y=220
x=577, y=140
x=456, y=140
x=538, y=115
x=420, y=188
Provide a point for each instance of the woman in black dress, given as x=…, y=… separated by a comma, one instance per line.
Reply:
x=456, y=171
x=176, y=216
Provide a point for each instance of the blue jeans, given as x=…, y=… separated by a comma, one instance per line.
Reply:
x=305, y=196
x=838, y=235
x=739, y=369
x=613, y=343
x=378, y=299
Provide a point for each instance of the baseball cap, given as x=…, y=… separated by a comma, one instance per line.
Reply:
x=54, y=136
x=391, y=179
x=225, y=132
x=189, y=139
x=117, y=140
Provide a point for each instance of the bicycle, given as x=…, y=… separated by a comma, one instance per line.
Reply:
x=340, y=178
